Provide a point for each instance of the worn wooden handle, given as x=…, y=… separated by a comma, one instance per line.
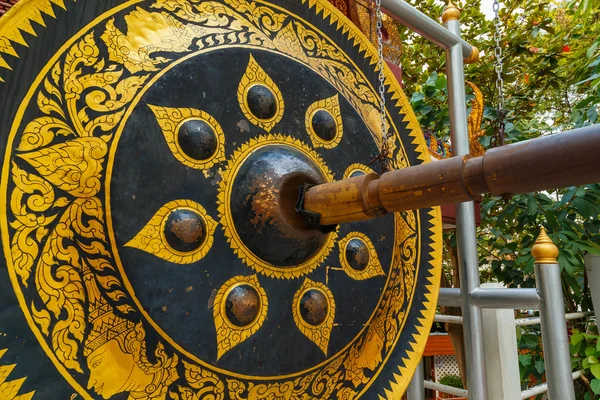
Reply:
x=564, y=159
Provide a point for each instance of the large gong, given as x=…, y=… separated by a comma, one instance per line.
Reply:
x=152, y=155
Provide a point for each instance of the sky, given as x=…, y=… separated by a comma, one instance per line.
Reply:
x=486, y=8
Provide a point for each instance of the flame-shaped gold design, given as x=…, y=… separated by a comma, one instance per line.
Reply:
x=255, y=75
x=171, y=119
x=373, y=267
x=230, y=335
x=320, y=334
x=151, y=238
x=330, y=105
x=354, y=168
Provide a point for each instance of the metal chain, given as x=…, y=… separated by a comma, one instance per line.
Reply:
x=383, y=157
x=499, y=67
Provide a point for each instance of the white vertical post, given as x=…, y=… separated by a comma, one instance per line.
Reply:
x=501, y=351
x=416, y=388
x=466, y=235
x=592, y=270
x=552, y=318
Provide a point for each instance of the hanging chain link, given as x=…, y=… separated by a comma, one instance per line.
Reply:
x=384, y=154
x=499, y=67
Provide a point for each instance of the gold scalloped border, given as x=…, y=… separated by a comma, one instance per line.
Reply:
x=224, y=199
x=399, y=384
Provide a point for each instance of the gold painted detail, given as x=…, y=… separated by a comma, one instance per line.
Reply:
x=440, y=149
x=363, y=14
x=202, y=384
x=373, y=267
x=544, y=251
x=321, y=333
x=9, y=390
x=116, y=341
x=357, y=168
x=226, y=218
x=475, y=120
x=323, y=384
x=69, y=230
x=18, y=20
x=330, y=105
x=230, y=335
x=151, y=237
x=384, y=329
x=81, y=102
x=473, y=57
x=255, y=75
x=171, y=119
x=451, y=13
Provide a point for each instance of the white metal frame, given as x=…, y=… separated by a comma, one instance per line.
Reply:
x=548, y=295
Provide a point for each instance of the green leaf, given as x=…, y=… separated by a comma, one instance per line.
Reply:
x=595, y=368
x=540, y=367
x=592, y=359
x=576, y=338
x=595, y=386
x=525, y=359
x=592, y=49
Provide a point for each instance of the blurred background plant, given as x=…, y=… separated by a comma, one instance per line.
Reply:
x=551, y=78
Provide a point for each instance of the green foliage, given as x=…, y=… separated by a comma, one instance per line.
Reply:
x=551, y=56
x=452, y=380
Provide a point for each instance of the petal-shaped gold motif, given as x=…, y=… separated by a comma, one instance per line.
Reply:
x=230, y=333
x=357, y=169
x=255, y=75
x=373, y=266
x=171, y=120
x=151, y=238
x=331, y=106
x=321, y=332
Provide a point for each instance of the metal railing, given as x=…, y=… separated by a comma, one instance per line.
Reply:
x=548, y=295
x=525, y=394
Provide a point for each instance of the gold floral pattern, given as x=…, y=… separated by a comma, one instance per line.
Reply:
x=56, y=227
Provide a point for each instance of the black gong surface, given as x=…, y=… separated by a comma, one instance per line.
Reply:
x=151, y=157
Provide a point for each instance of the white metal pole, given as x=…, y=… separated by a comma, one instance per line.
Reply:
x=416, y=388
x=552, y=318
x=501, y=351
x=465, y=216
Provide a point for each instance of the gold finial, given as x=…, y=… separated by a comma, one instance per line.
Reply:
x=544, y=251
x=474, y=57
x=451, y=13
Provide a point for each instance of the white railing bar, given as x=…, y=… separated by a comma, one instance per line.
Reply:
x=451, y=319
x=536, y=320
x=450, y=297
x=445, y=389
x=515, y=299
x=425, y=26
x=543, y=388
